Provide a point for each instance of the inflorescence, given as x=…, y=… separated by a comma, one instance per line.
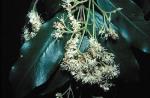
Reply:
x=36, y=22
x=96, y=65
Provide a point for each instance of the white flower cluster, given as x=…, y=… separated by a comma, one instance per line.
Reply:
x=27, y=34
x=67, y=4
x=96, y=66
x=76, y=25
x=60, y=26
x=60, y=29
x=108, y=33
x=36, y=23
x=35, y=20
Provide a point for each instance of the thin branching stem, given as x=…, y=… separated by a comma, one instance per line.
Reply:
x=89, y=6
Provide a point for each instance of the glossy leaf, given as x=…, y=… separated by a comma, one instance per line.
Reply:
x=131, y=24
x=106, y=5
x=129, y=67
x=84, y=44
x=59, y=79
x=144, y=5
x=40, y=57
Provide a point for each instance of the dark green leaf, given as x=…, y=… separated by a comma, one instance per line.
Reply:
x=41, y=55
x=57, y=81
x=128, y=64
x=131, y=23
x=106, y=5
x=144, y=5
x=84, y=44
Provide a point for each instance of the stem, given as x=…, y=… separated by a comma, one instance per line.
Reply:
x=66, y=91
x=34, y=6
x=93, y=21
x=83, y=9
x=78, y=13
x=103, y=12
x=85, y=23
x=65, y=25
x=79, y=2
x=72, y=93
x=68, y=94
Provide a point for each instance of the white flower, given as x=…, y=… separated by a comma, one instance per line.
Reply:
x=60, y=28
x=59, y=25
x=57, y=34
x=27, y=34
x=32, y=34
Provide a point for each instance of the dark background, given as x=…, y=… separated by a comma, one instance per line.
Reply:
x=13, y=14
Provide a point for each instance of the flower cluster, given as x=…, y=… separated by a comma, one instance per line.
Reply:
x=35, y=20
x=36, y=23
x=108, y=33
x=96, y=66
x=27, y=34
x=112, y=34
x=60, y=29
x=76, y=25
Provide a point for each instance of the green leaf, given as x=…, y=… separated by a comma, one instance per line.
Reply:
x=41, y=57
x=131, y=23
x=129, y=67
x=59, y=79
x=144, y=5
x=84, y=44
x=106, y=5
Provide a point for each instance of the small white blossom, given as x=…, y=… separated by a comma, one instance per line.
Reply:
x=60, y=28
x=59, y=95
x=27, y=34
x=58, y=25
